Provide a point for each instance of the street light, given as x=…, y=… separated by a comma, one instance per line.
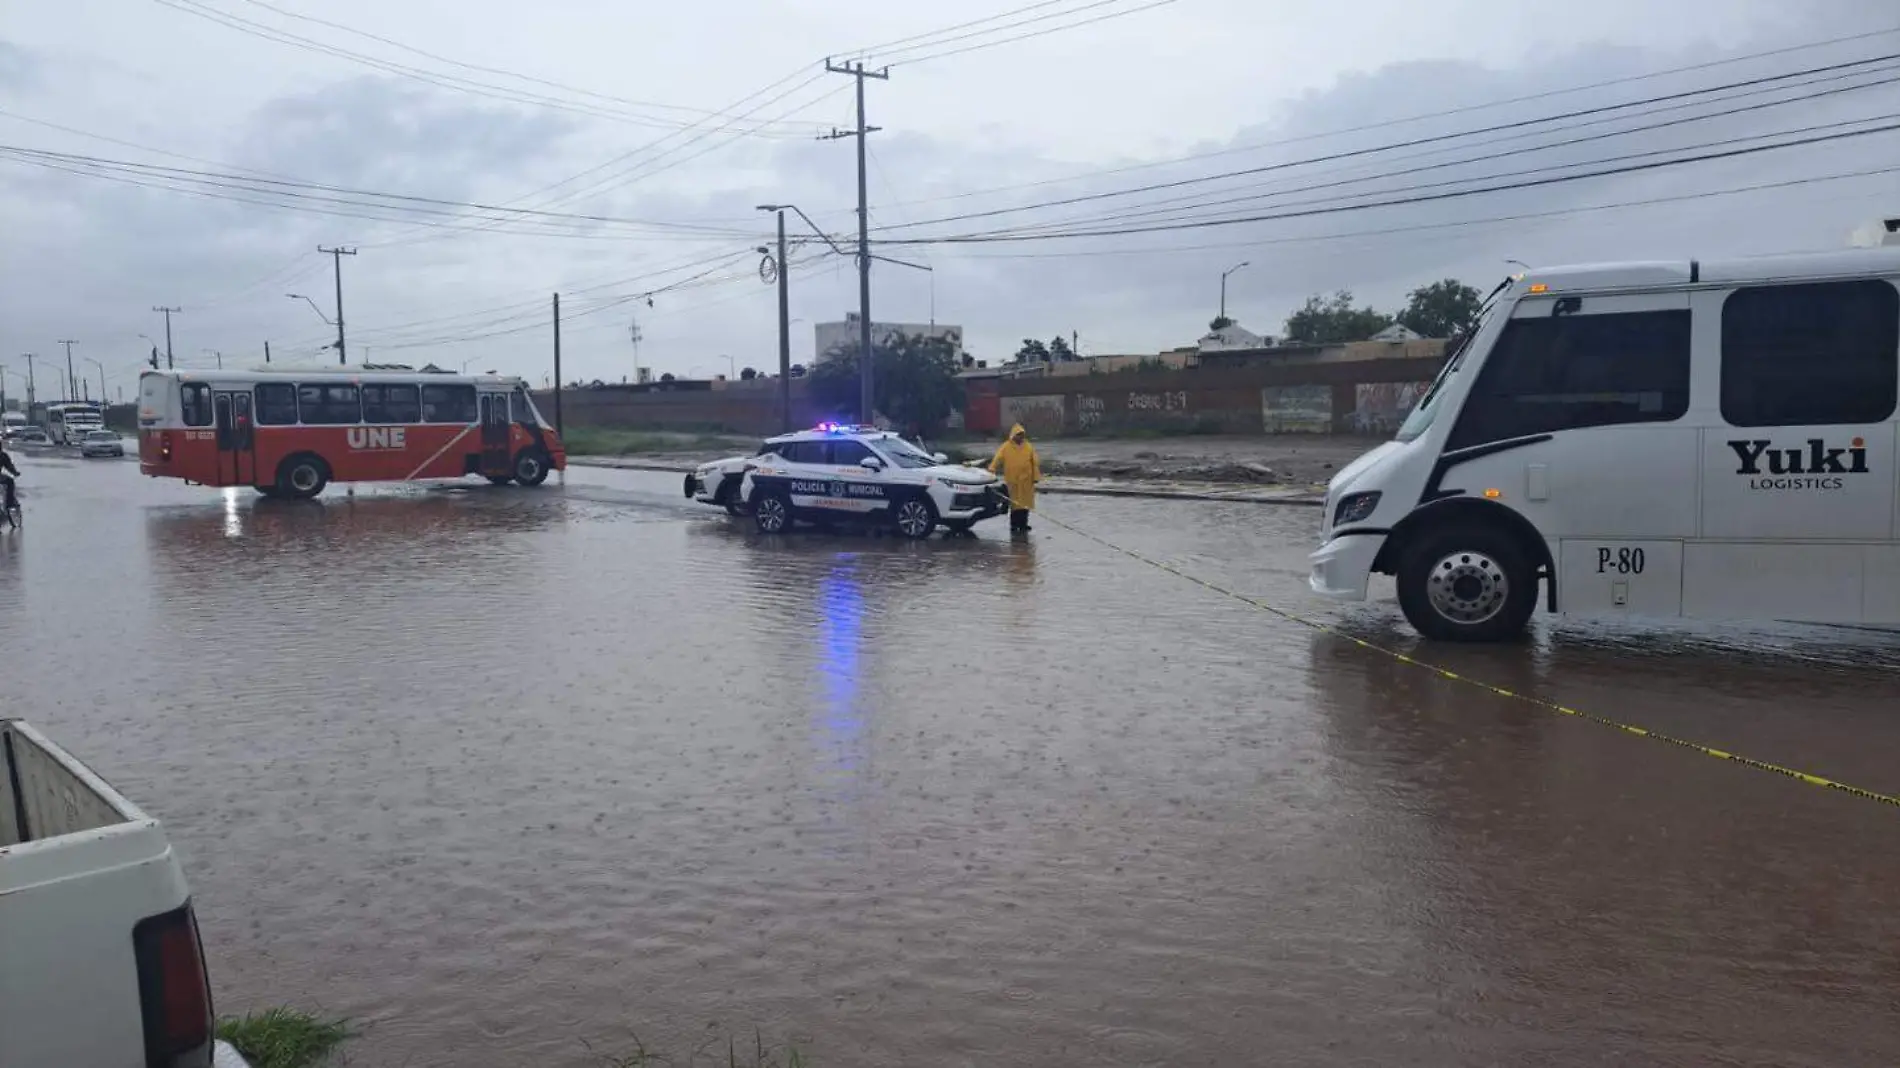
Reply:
x=102, y=377
x=313, y=307
x=1223, y=285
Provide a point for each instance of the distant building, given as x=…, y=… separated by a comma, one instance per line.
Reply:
x=1233, y=336
x=830, y=337
x=1397, y=332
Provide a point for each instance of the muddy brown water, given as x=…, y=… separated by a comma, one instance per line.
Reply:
x=513, y=777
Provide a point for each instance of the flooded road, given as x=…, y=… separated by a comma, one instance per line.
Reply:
x=509, y=777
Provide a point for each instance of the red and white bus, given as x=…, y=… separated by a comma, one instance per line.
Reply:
x=290, y=433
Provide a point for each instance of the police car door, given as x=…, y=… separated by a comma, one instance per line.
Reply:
x=805, y=475
x=863, y=488
x=1579, y=420
x=1798, y=473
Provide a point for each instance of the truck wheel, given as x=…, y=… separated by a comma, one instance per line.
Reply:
x=302, y=476
x=1467, y=584
x=772, y=512
x=531, y=467
x=915, y=518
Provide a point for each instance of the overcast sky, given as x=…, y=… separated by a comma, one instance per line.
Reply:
x=666, y=132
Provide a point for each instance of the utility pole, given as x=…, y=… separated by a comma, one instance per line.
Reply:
x=337, y=255
x=102, y=378
x=558, y=431
x=266, y=352
x=168, y=333
x=72, y=380
x=31, y=399
x=866, y=399
x=784, y=332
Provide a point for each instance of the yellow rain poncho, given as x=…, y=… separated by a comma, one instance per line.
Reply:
x=1016, y=462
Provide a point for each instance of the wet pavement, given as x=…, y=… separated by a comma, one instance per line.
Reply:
x=510, y=777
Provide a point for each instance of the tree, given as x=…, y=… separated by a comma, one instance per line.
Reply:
x=667, y=377
x=798, y=370
x=1060, y=352
x=1218, y=323
x=748, y=375
x=1324, y=321
x=915, y=379
x=1033, y=351
x=1441, y=309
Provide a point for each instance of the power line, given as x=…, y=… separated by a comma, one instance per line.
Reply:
x=1154, y=210
x=1401, y=201
x=929, y=41
x=488, y=70
x=1402, y=121
x=199, y=9
x=981, y=45
x=1380, y=149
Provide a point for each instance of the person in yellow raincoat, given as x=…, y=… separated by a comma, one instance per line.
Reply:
x=1016, y=462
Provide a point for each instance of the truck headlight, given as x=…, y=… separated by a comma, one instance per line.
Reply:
x=1354, y=507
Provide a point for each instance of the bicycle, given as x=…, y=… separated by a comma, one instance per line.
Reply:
x=13, y=516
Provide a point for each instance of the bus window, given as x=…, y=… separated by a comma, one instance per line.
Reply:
x=448, y=404
x=197, y=404
x=524, y=408
x=1565, y=373
x=329, y=405
x=277, y=404
x=1810, y=355
x=390, y=403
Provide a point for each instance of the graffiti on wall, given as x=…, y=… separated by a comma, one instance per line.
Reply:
x=1379, y=407
x=1089, y=409
x=1171, y=401
x=1038, y=414
x=1296, y=409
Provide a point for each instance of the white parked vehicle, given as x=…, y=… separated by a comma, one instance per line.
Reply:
x=839, y=474
x=100, y=962
x=717, y=483
x=101, y=443
x=68, y=422
x=1712, y=440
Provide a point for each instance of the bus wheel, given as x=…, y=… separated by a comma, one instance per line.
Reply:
x=531, y=467
x=1467, y=584
x=302, y=476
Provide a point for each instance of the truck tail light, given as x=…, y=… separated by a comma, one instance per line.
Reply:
x=165, y=447
x=174, y=995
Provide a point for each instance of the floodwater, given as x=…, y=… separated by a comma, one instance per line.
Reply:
x=512, y=777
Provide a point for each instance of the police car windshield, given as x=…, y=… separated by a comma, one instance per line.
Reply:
x=904, y=454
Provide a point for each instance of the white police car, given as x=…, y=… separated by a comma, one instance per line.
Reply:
x=717, y=483
x=840, y=474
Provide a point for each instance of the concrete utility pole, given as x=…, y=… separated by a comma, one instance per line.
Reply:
x=337, y=255
x=168, y=333
x=72, y=380
x=266, y=352
x=102, y=377
x=867, y=396
x=30, y=398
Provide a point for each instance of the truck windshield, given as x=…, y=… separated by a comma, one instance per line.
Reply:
x=1427, y=408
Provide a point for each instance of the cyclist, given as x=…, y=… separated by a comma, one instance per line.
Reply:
x=8, y=472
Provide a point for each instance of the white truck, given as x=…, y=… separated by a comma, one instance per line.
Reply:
x=100, y=962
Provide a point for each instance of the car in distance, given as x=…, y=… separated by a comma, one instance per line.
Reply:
x=101, y=443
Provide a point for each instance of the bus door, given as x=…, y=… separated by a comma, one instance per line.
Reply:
x=237, y=440
x=496, y=436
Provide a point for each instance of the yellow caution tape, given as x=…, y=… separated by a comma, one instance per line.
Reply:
x=1444, y=673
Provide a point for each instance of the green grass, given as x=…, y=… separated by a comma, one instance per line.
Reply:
x=606, y=441
x=283, y=1038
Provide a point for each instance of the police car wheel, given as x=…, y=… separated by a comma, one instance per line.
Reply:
x=1467, y=584
x=772, y=513
x=915, y=518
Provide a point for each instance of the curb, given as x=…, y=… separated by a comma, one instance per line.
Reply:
x=1239, y=494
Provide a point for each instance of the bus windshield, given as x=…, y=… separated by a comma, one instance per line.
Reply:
x=1427, y=408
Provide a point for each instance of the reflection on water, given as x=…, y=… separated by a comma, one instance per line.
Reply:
x=495, y=773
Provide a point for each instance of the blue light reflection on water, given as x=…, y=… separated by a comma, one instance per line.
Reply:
x=840, y=638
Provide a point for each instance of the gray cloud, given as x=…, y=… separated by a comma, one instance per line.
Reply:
x=20, y=69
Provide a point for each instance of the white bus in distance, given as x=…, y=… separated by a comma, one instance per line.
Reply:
x=68, y=422
x=1712, y=440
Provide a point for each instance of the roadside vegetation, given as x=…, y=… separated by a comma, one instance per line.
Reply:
x=289, y=1038
x=283, y=1038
